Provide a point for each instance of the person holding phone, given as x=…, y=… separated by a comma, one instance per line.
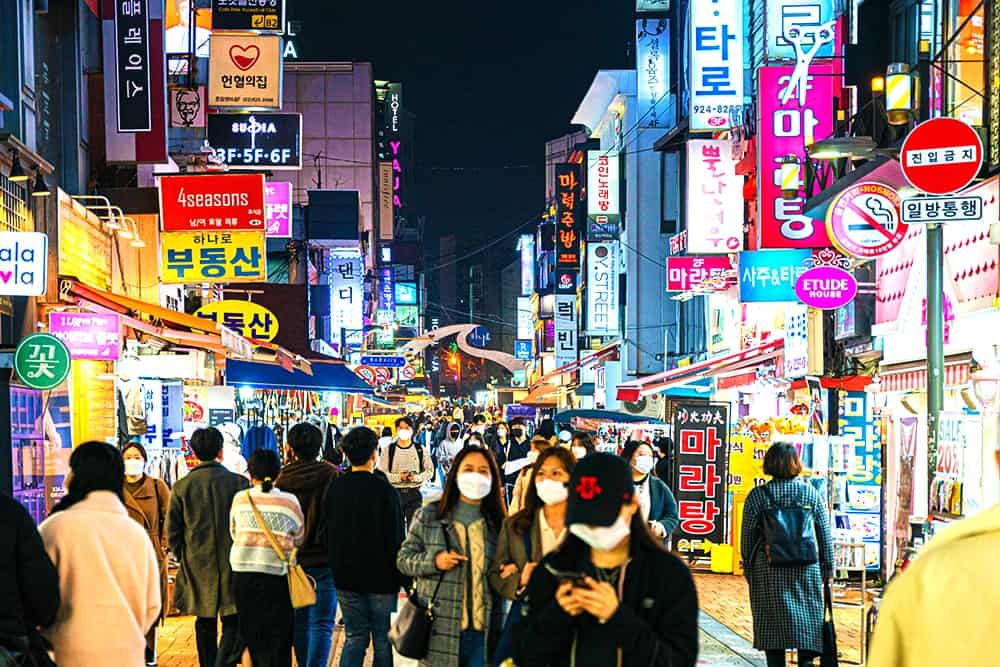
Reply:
x=610, y=594
x=656, y=503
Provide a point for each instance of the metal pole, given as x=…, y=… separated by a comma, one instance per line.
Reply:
x=935, y=301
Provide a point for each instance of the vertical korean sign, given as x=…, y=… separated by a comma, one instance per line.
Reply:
x=346, y=292
x=565, y=329
x=602, y=196
x=132, y=65
x=526, y=246
x=602, y=289
x=716, y=64
x=715, y=198
x=567, y=210
x=652, y=39
x=701, y=433
x=796, y=110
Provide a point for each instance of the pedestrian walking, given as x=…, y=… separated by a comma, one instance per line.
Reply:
x=510, y=446
x=146, y=501
x=538, y=445
x=364, y=530
x=408, y=466
x=109, y=576
x=786, y=601
x=260, y=575
x=581, y=445
x=29, y=584
x=665, y=446
x=450, y=446
x=610, y=594
x=453, y=542
x=307, y=478
x=198, y=535
x=656, y=502
x=943, y=609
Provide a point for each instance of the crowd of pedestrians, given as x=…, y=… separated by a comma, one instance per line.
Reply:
x=578, y=570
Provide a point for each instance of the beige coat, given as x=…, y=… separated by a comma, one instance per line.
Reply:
x=109, y=582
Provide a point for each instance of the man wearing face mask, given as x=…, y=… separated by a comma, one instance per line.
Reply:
x=656, y=503
x=610, y=594
x=408, y=466
x=510, y=444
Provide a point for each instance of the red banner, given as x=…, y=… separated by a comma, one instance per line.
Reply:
x=212, y=202
x=689, y=272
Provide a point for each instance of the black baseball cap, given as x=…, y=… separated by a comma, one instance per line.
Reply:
x=599, y=486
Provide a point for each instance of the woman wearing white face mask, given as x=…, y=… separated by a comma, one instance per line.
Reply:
x=520, y=493
x=453, y=542
x=581, y=445
x=656, y=502
x=146, y=501
x=610, y=595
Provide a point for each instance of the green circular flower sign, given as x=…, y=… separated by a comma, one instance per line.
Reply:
x=42, y=361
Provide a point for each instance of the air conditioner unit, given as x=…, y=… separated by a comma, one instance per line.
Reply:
x=646, y=406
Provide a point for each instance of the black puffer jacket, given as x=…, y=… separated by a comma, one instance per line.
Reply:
x=656, y=624
x=29, y=583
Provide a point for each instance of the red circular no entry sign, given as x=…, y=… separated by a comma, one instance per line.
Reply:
x=941, y=156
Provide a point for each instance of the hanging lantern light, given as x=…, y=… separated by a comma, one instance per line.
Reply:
x=791, y=176
x=898, y=94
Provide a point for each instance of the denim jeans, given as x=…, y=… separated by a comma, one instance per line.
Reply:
x=366, y=618
x=472, y=652
x=313, y=637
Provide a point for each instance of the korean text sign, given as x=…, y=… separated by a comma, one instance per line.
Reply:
x=278, y=209
x=346, y=292
x=603, y=206
x=88, y=335
x=244, y=70
x=567, y=214
x=716, y=64
x=263, y=15
x=856, y=422
x=132, y=60
x=799, y=27
x=565, y=329
x=257, y=140
x=652, y=66
x=701, y=433
x=248, y=319
x=212, y=202
x=689, y=272
x=770, y=275
x=794, y=113
x=715, y=198
x=602, y=289
x=212, y=257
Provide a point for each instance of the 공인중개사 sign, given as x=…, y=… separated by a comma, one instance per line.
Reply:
x=212, y=257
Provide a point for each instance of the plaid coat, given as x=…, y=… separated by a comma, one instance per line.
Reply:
x=787, y=603
x=426, y=540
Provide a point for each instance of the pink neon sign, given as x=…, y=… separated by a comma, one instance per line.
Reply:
x=785, y=129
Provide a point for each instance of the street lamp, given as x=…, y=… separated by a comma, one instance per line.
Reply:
x=791, y=176
x=898, y=94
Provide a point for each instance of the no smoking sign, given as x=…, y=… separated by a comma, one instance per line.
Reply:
x=863, y=221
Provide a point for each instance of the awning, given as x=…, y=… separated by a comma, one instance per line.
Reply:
x=655, y=384
x=609, y=351
x=541, y=396
x=585, y=389
x=567, y=416
x=325, y=377
x=912, y=376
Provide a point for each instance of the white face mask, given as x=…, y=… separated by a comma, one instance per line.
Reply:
x=644, y=464
x=579, y=452
x=532, y=456
x=404, y=434
x=134, y=467
x=602, y=538
x=478, y=429
x=474, y=486
x=551, y=492
x=501, y=433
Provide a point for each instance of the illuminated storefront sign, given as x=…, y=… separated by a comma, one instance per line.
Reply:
x=212, y=257
x=785, y=128
x=602, y=289
x=690, y=272
x=525, y=318
x=406, y=294
x=714, y=198
x=526, y=244
x=262, y=16
x=800, y=29
x=716, y=65
x=212, y=201
x=567, y=213
x=385, y=206
x=770, y=275
x=992, y=10
x=565, y=330
x=653, y=67
x=132, y=66
x=256, y=141
x=603, y=204
x=347, y=292
x=249, y=319
x=701, y=433
x=88, y=335
x=24, y=260
x=244, y=71
x=278, y=209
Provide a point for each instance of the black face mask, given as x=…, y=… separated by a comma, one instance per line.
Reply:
x=517, y=432
x=454, y=435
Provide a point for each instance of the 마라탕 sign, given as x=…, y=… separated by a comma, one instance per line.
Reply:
x=826, y=287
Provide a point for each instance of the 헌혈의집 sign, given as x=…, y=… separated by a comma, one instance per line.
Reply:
x=257, y=140
x=244, y=70
x=260, y=16
x=212, y=201
x=702, y=436
x=132, y=61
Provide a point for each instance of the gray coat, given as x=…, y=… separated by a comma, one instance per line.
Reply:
x=198, y=534
x=426, y=540
x=787, y=603
x=511, y=549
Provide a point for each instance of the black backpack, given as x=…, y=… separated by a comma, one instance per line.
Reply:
x=789, y=533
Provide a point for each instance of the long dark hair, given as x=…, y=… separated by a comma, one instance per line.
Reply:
x=532, y=503
x=96, y=466
x=493, y=507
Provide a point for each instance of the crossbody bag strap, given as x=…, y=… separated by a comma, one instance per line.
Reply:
x=267, y=531
x=447, y=547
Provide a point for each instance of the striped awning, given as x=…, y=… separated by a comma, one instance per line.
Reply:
x=913, y=376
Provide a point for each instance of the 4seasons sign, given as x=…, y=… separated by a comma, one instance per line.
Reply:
x=223, y=201
x=257, y=141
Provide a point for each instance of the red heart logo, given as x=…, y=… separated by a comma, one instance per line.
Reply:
x=244, y=57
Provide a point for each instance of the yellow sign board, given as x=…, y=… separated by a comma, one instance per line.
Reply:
x=212, y=257
x=249, y=319
x=244, y=70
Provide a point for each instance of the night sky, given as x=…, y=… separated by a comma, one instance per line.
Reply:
x=490, y=82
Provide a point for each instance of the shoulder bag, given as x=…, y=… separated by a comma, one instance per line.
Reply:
x=301, y=587
x=411, y=632
x=789, y=533
x=828, y=658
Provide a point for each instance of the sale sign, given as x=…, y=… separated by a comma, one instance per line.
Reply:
x=690, y=272
x=795, y=111
x=212, y=202
x=701, y=433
